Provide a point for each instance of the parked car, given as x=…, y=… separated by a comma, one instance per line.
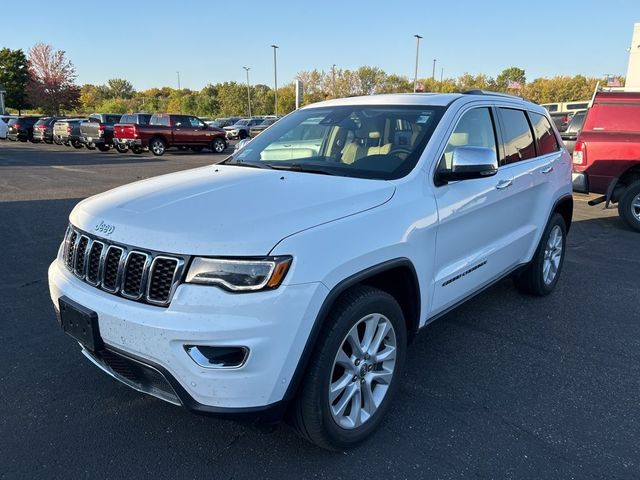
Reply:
x=257, y=129
x=169, y=130
x=4, y=130
x=43, y=129
x=561, y=120
x=119, y=129
x=570, y=135
x=67, y=132
x=97, y=131
x=302, y=294
x=606, y=156
x=21, y=128
x=240, y=129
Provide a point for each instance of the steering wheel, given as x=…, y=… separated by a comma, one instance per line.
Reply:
x=401, y=152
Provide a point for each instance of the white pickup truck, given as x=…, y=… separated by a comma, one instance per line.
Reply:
x=294, y=280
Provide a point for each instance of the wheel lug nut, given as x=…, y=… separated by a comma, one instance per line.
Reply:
x=370, y=367
x=357, y=362
x=355, y=377
x=362, y=380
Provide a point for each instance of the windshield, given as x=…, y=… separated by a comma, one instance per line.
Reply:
x=243, y=122
x=383, y=142
x=267, y=122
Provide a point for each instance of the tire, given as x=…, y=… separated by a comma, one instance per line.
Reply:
x=157, y=146
x=90, y=146
x=242, y=135
x=196, y=149
x=218, y=145
x=313, y=414
x=137, y=150
x=77, y=144
x=121, y=148
x=629, y=206
x=103, y=148
x=534, y=279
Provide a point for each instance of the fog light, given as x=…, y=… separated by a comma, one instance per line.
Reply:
x=217, y=357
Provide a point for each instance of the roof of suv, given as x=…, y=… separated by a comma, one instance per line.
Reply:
x=435, y=99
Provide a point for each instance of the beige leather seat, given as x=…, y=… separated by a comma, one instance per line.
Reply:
x=378, y=149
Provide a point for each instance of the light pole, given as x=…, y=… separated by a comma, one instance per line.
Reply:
x=433, y=72
x=415, y=75
x=248, y=90
x=275, y=79
x=333, y=80
x=178, y=80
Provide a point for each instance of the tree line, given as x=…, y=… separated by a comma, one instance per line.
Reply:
x=44, y=80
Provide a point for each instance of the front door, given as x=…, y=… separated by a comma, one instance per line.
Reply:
x=477, y=219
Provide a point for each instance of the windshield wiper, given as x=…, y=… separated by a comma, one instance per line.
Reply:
x=247, y=164
x=297, y=167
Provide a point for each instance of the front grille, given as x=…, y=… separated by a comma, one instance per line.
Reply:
x=144, y=276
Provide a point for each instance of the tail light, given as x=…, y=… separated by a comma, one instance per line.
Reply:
x=100, y=130
x=16, y=125
x=135, y=132
x=41, y=127
x=580, y=153
x=68, y=129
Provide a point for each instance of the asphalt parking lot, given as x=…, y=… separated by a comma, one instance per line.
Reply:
x=505, y=386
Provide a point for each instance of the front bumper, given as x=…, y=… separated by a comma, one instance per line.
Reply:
x=580, y=182
x=274, y=325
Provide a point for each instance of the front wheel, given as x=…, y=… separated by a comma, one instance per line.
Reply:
x=354, y=371
x=157, y=147
x=218, y=145
x=541, y=275
x=629, y=206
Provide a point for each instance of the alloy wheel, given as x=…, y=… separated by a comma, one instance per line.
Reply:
x=362, y=371
x=552, y=255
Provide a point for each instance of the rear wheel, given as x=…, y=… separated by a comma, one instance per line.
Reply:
x=218, y=145
x=242, y=135
x=629, y=206
x=90, y=146
x=77, y=144
x=137, y=150
x=157, y=146
x=121, y=148
x=103, y=147
x=541, y=275
x=354, y=371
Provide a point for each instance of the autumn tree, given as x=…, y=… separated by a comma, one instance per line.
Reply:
x=14, y=76
x=509, y=75
x=51, y=84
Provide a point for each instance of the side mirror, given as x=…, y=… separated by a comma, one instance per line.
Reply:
x=470, y=162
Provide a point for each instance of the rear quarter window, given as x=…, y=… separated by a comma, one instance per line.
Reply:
x=547, y=141
x=160, y=120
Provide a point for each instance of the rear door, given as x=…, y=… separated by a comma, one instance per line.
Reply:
x=477, y=219
x=183, y=131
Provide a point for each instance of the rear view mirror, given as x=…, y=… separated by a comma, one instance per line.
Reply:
x=470, y=162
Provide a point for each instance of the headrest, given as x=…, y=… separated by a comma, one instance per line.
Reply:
x=374, y=134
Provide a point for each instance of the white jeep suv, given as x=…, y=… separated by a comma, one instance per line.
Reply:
x=291, y=277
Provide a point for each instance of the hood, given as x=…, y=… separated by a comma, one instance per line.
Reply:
x=223, y=210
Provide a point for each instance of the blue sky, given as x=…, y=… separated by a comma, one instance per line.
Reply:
x=210, y=41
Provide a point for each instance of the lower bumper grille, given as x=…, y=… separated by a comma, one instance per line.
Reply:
x=134, y=374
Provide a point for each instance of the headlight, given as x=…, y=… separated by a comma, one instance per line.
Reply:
x=239, y=275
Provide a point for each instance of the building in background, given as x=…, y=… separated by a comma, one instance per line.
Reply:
x=633, y=70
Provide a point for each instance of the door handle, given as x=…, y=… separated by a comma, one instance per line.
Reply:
x=502, y=184
x=547, y=169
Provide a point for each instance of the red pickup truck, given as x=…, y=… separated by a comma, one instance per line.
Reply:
x=606, y=157
x=168, y=130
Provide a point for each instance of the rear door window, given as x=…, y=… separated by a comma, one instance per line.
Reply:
x=162, y=120
x=547, y=142
x=517, y=137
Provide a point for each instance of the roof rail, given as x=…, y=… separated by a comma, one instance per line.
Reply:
x=487, y=92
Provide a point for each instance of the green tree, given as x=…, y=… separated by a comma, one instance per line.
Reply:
x=14, y=76
x=120, y=88
x=511, y=74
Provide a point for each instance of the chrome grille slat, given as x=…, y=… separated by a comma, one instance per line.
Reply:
x=143, y=276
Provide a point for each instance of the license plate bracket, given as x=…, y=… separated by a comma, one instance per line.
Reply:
x=80, y=323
